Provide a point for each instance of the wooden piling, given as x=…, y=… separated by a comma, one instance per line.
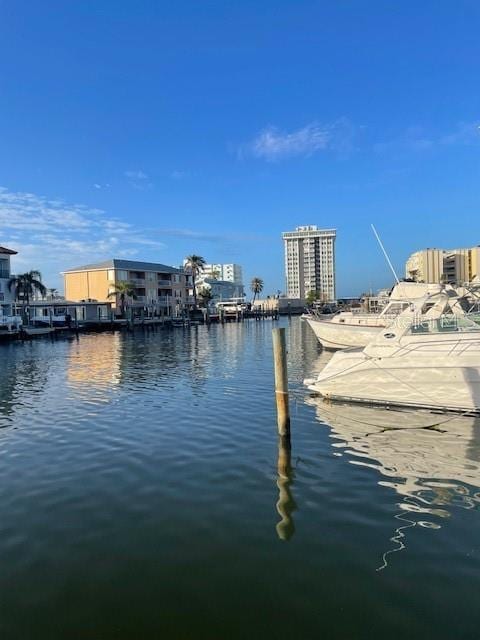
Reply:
x=286, y=504
x=281, y=381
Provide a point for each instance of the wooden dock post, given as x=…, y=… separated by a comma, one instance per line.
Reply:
x=286, y=504
x=281, y=381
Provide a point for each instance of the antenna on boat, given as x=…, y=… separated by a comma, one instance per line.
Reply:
x=385, y=253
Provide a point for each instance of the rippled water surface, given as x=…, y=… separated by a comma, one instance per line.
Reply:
x=143, y=495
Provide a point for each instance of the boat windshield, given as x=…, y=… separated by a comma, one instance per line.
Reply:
x=394, y=309
x=445, y=324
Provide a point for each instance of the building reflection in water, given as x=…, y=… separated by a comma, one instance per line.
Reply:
x=286, y=504
x=96, y=360
x=303, y=349
x=431, y=460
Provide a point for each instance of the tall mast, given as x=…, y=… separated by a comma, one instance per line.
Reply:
x=385, y=253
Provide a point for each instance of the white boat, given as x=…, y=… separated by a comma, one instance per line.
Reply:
x=353, y=329
x=433, y=363
x=9, y=326
x=33, y=332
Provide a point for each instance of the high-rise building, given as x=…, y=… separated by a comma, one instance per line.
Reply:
x=452, y=266
x=310, y=262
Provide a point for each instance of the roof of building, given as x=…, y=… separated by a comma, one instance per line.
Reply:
x=10, y=252
x=67, y=303
x=130, y=265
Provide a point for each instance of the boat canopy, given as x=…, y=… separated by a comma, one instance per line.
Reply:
x=414, y=290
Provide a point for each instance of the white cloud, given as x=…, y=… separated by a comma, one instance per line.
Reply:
x=417, y=139
x=53, y=235
x=272, y=144
x=466, y=133
x=136, y=175
x=138, y=179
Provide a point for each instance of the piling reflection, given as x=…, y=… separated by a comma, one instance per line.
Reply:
x=431, y=460
x=286, y=504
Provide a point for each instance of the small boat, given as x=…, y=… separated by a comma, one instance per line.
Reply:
x=9, y=327
x=352, y=329
x=33, y=332
x=415, y=362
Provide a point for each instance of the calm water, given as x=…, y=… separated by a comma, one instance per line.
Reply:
x=140, y=498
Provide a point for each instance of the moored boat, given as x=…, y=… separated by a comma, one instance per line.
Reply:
x=352, y=329
x=431, y=364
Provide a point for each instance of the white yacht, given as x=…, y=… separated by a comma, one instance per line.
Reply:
x=353, y=329
x=417, y=361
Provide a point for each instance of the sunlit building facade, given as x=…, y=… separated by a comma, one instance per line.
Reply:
x=310, y=262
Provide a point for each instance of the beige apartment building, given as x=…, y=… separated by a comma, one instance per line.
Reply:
x=158, y=287
x=453, y=266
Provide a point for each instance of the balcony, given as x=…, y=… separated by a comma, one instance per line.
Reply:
x=164, y=283
x=139, y=282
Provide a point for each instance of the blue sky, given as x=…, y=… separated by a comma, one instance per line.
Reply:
x=154, y=129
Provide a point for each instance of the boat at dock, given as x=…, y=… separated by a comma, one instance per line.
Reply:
x=34, y=332
x=429, y=363
x=356, y=329
x=9, y=327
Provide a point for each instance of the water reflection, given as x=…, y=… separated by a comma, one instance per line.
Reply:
x=431, y=460
x=95, y=362
x=286, y=504
x=23, y=377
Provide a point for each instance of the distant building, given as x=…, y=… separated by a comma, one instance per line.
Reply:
x=221, y=289
x=6, y=297
x=157, y=286
x=284, y=306
x=56, y=312
x=228, y=272
x=452, y=266
x=310, y=262
x=225, y=281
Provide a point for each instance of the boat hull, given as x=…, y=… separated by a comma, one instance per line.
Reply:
x=433, y=381
x=336, y=335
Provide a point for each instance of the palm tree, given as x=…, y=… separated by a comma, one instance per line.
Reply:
x=123, y=290
x=53, y=293
x=205, y=295
x=256, y=286
x=25, y=285
x=195, y=265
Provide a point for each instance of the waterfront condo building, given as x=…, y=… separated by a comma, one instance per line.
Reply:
x=228, y=272
x=224, y=280
x=452, y=266
x=6, y=297
x=310, y=262
x=157, y=286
